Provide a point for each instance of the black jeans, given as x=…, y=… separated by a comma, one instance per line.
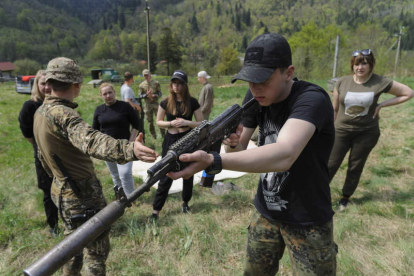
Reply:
x=165, y=183
x=359, y=143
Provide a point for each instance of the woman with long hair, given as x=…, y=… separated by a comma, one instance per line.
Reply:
x=356, y=112
x=178, y=108
x=26, y=119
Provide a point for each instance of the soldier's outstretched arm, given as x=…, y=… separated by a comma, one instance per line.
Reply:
x=142, y=152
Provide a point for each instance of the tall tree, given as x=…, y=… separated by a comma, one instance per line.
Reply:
x=153, y=55
x=121, y=18
x=244, y=43
x=247, y=18
x=238, y=22
x=194, y=24
x=169, y=49
x=229, y=61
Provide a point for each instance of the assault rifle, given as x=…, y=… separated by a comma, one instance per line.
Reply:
x=141, y=118
x=202, y=137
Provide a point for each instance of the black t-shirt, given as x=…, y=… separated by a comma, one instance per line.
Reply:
x=114, y=120
x=300, y=196
x=194, y=105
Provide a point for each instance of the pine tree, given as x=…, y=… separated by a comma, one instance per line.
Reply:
x=247, y=18
x=105, y=27
x=237, y=22
x=121, y=19
x=169, y=49
x=244, y=43
x=194, y=24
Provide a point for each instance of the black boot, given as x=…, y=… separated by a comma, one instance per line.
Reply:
x=186, y=209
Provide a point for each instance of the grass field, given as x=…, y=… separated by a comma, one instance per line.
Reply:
x=375, y=234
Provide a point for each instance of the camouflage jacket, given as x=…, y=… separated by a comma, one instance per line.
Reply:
x=59, y=129
x=156, y=90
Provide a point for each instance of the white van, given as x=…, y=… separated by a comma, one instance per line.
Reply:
x=24, y=84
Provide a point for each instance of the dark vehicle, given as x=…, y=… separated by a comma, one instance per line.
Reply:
x=117, y=79
x=24, y=84
x=104, y=75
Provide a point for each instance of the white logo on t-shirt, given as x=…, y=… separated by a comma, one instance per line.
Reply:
x=358, y=103
x=273, y=182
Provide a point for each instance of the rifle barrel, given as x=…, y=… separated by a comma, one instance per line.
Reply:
x=75, y=242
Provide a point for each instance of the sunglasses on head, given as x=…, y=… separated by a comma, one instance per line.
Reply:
x=365, y=52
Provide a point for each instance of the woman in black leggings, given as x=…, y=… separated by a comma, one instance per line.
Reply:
x=179, y=108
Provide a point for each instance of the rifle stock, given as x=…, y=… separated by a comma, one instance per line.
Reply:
x=200, y=138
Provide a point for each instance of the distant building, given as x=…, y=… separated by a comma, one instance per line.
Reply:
x=6, y=69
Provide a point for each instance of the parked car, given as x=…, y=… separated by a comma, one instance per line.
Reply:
x=104, y=75
x=24, y=84
x=117, y=79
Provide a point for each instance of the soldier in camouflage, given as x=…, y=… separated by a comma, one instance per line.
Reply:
x=59, y=130
x=151, y=90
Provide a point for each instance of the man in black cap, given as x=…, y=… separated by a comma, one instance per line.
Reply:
x=296, y=135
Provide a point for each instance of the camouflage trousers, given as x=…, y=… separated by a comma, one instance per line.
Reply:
x=312, y=250
x=151, y=110
x=95, y=253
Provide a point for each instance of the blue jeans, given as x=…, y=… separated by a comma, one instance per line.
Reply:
x=122, y=176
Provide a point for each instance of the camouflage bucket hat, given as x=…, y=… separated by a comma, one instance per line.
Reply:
x=64, y=70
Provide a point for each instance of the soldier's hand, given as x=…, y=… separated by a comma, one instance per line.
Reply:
x=142, y=152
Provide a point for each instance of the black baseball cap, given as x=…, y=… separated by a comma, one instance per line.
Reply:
x=179, y=75
x=264, y=55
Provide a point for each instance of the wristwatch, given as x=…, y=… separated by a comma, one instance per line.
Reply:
x=216, y=166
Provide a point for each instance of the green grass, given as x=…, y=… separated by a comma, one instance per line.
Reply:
x=375, y=235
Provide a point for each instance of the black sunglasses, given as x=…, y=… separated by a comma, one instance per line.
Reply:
x=365, y=52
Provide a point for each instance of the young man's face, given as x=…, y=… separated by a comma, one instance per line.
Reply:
x=147, y=77
x=201, y=80
x=275, y=89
